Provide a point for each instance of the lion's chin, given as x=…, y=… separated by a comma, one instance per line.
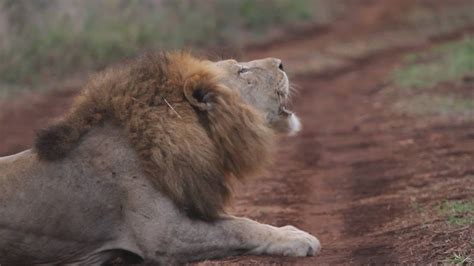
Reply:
x=294, y=125
x=292, y=122
x=287, y=123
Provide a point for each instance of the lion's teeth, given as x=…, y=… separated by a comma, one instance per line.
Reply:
x=283, y=110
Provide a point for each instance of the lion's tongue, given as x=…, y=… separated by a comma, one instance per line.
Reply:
x=284, y=111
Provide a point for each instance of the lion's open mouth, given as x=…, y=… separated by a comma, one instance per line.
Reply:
x=284, y=101
x=284, y=111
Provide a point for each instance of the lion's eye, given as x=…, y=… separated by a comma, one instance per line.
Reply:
x=243, y=70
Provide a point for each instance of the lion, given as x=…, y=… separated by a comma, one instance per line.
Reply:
x=141, y=168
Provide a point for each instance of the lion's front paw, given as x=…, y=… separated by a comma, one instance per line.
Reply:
x=294, y=242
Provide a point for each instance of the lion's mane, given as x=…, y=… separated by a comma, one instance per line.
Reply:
x=192, y=134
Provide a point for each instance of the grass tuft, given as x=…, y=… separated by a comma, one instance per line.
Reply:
x=459, y=213
x=458, y=259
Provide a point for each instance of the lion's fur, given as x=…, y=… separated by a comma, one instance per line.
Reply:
x=192, y=133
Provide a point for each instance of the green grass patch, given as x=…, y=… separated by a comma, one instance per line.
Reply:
x=458, y=213
x=444, y=63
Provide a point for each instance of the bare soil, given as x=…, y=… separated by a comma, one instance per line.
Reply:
x=356, y=171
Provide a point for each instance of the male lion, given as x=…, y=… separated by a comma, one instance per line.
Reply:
x=142, y=165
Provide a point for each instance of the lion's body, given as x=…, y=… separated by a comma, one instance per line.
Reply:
x=105, y=203
x=72, y=205
x=125, y=174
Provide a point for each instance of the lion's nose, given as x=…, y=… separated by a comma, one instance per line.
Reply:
x=276, y=62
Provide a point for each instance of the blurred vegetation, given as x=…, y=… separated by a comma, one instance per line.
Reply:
x=45, y=39
x=448, y=62
x=423, y=72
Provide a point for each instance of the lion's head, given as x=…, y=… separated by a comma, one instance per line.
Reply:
x=263, y=84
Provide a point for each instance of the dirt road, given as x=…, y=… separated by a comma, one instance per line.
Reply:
x=353, y=173
x=357, y=169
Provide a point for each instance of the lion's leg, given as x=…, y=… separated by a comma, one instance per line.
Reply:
x=196, y=240
x=164, y=234
x=250, y=237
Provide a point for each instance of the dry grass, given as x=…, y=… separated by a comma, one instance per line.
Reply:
x=50, y=39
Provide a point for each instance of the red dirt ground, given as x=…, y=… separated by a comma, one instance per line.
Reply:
x=352, y=175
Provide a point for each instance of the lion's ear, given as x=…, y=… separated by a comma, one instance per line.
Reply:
x=199, y=91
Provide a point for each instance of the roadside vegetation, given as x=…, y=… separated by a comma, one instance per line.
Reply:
x=51, y=39
x=439, y=81
x=452, y=61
